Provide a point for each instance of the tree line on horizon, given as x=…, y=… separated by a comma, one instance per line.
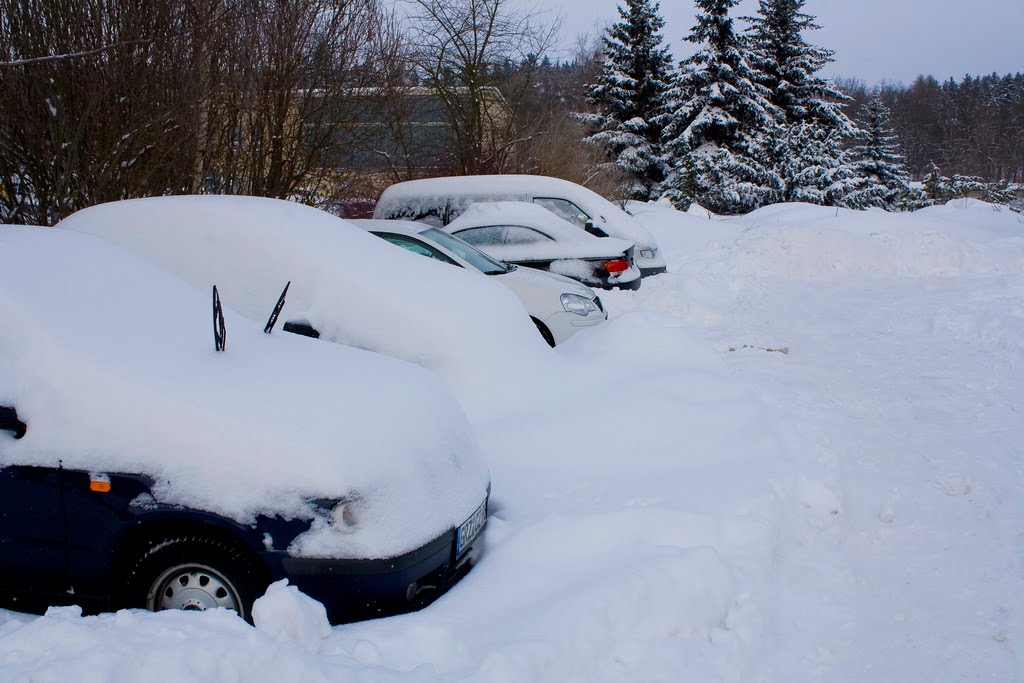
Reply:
x=748, y=120
x=111, y=99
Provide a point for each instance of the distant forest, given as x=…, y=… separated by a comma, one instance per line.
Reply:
x=974, y=126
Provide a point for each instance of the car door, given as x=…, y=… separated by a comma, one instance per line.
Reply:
x=33, y=557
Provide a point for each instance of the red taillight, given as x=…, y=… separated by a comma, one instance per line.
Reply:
x=616, y=266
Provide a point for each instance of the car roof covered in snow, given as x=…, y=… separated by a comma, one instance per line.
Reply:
x=111, y=363
x=515, y=187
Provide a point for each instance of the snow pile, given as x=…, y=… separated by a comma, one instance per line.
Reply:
x=354, y=288
x=286, y=614
x=111, y=363
x=752, y=471
x=186, y=647
x=810, y=242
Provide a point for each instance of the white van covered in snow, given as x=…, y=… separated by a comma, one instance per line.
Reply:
x=439, y=201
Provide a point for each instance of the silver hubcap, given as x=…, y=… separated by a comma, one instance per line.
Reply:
x=193, y=587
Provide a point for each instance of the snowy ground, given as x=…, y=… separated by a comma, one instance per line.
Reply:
x=797, y=456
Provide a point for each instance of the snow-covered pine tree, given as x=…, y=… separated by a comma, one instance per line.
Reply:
x=810, y=158
x=936, y=186
x=721, y=127
x=630, y=96
x=882, y=181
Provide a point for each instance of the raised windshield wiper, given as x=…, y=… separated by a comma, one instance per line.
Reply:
x=277, y=309
x=220, y=332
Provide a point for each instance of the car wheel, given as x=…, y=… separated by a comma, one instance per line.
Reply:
x=544, y=332
x=194, y=573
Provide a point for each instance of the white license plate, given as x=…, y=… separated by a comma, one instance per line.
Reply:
x=470, y=529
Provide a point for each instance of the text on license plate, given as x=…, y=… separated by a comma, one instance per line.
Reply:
x=470, y=529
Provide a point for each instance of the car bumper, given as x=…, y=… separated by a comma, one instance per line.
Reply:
x=650, y=261
x=354, y=590
x=563, y=324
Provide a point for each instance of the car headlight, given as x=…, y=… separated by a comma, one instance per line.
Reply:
x=648, y=253
x=580, y=305
x=344, y=516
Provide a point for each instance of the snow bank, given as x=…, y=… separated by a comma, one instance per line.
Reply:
x=805, y=241
x=111, y=363
x=686, y=502
x=351, y=286
x=186, y=647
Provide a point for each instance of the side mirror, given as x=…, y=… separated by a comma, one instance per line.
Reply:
x=301, y=327
x=593, y=229
x=9, y=422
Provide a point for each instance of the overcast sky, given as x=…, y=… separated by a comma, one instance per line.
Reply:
x=874, y=40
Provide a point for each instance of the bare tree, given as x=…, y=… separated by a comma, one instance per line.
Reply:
x=459, y=47
x=109, y=99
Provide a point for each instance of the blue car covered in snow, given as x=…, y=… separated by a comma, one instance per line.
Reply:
x=141, y=466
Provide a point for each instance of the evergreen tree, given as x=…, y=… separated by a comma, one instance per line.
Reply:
x=878, y=165
x=936, y=186
x=722, y=128
x=810, y=159
x=630, y=96
x=939, y=189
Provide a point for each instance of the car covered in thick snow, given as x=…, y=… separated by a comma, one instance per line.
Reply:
x=529, y=235
x=347, y=285
x=140, y=467
x=558, y=306
x=442, y=200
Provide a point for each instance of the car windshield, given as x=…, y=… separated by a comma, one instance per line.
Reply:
x=476, y=258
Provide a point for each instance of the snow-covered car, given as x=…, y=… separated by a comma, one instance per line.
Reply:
x=442, y=200
x=529, y=235
x=348, y=285
x=140, y=467
x=558, y=306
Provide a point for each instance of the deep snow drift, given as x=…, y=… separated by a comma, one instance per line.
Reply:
x=795, y=456
x=354, y=288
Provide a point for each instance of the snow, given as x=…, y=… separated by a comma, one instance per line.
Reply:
x=287, y=615
x=354, y=288
x=458, y=193
x=111, y=363
x=687, y=502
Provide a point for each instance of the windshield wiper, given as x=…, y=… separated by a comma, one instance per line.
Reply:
x=220, y=332
x=277, y=309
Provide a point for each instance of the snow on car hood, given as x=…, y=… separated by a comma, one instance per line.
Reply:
x=546, y=281
x=111, y=363
x=353, y=287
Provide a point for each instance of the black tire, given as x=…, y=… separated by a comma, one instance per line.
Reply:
x=194, y=573
x=544, y=332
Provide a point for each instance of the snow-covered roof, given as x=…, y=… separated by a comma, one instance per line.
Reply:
x=518, y=187
x=354, y=288
x=111, y=363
